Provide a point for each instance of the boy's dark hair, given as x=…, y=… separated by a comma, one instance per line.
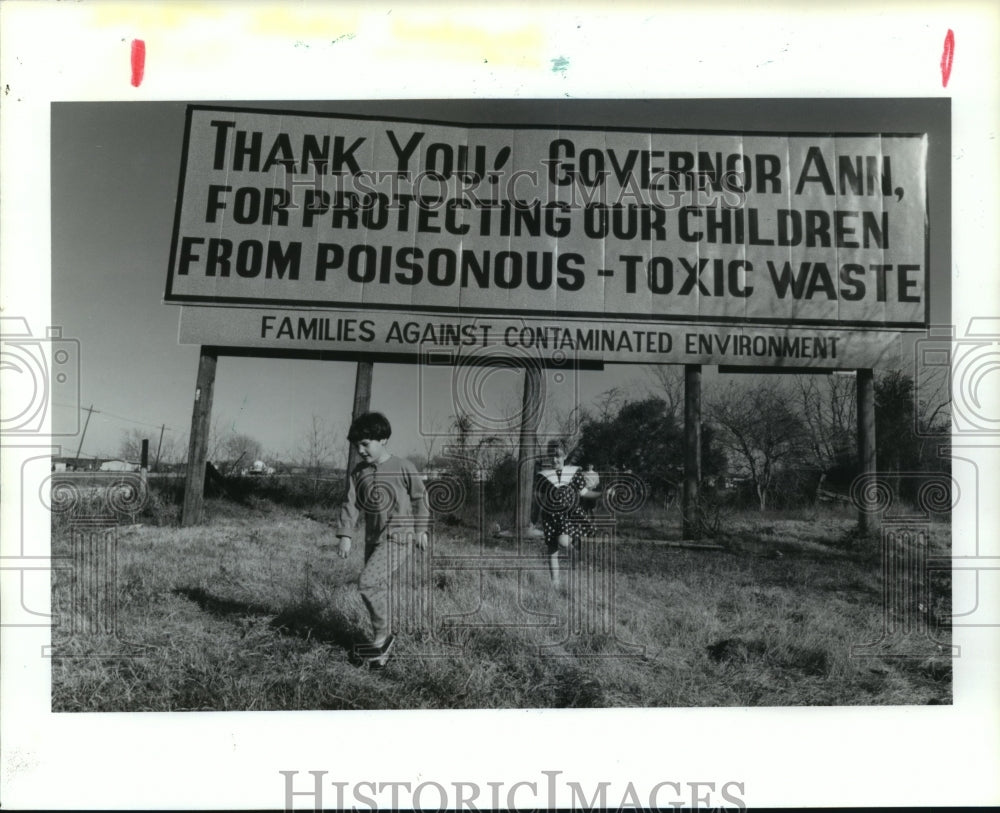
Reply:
x=556, y=444
x=370, y=426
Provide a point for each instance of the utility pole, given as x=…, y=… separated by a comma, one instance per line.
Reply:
x=156, y=465
x=83, y=434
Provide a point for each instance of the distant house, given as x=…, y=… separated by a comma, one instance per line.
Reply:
x=258, y=469
x=119, y=465
x=72, y=464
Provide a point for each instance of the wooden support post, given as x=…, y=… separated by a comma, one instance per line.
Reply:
x=531, y=415
x=868, y=521
x=201, y=417
x=692, y=451
x=362, y=404
x=143, y=464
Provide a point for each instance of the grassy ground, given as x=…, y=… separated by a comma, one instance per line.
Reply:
x=255, y=611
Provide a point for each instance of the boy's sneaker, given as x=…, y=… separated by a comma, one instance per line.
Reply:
x=382, y=658
x=374, y=657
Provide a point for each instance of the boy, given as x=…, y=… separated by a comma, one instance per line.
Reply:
x=390, y=493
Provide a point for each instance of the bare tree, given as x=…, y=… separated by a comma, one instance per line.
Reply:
x=827, y=406
x=172, y=449
x=490, y=452
x=228, y=449
x=430, y=437
x=760, y=430
x=318, y=447
x=240, y=450
x=462, y=425
x=509, y=434
x=130, y=447
x=667, y=384
x=932, y=408
x=217, y=433
x=566, y=425
x=609, y=403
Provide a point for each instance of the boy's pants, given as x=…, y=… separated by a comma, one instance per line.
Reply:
x=385, y=567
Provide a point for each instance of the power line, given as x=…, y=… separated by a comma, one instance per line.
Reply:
x=140, y=423
x=90, y=411
x=113, y=415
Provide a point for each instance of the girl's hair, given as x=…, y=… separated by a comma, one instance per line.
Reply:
x=370, y=426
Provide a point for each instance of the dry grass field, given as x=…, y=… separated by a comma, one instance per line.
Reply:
x=254, y=611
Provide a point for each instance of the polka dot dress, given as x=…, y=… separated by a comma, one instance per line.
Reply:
x=559, y=501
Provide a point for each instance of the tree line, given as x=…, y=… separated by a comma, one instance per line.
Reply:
x=769, y=441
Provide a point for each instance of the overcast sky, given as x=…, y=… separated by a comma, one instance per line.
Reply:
x=115, y=169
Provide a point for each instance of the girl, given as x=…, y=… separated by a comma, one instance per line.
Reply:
x=558, y=491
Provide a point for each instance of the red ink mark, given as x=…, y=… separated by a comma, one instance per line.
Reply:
x=138, y=61
x=947, y=57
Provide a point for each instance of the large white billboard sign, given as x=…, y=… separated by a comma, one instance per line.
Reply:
x=610, y=244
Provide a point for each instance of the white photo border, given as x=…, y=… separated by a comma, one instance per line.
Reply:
x=782, y=756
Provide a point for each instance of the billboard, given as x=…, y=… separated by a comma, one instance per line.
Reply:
x=611, y=244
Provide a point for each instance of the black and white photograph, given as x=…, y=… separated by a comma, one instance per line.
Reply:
x=404, y=417
x=409, y=342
